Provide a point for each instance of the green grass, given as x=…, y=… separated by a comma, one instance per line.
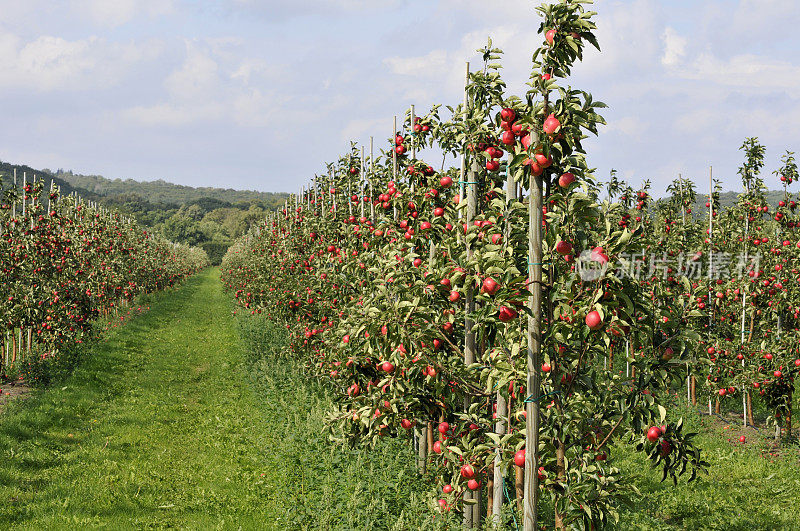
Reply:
x=186, y=418
x=745, y=489
x=168, y=424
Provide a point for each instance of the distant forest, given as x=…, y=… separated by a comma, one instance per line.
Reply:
x=211, y=218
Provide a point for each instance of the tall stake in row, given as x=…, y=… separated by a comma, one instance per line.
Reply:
x=534, y=350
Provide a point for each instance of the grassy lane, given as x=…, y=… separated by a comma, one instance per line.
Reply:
x=155, y=429
x=175, y=422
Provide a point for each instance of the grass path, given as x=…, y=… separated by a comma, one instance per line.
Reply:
x=158, y=428
x=184, y=418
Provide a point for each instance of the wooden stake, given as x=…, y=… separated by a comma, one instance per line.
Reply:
x=371, y=176
x=531, y=516
x=463, y=168
x=470, y=346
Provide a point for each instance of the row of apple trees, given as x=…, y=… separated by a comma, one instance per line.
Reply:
x=63, y=263
x=745, y=257
x=408, y=290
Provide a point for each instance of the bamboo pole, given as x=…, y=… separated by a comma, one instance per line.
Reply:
x=361, y=175
x=14, y=203
x=371, y=177
x=349, y=184
x=463, y=155
x=470, y=346
x=413, y=134
x=394, y=164
x=534, y=351
x=502, y=406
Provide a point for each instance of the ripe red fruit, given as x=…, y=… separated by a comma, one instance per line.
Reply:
x=387, y=366
x=437, y=447
x=742, y=439
x=519, y=458
x=446, y=181
x=506, y=314
x=473, y=484
x=563, y=248
x=593, y=320
x=490, y=286
x=546, y=367
x=566, y=179
x=653, y=434
x=467, y=472
x=508, y=138
x=551, y=124
x=425, y=225
x=447, y=489
x=599, y=255
x=443, y=427
x=406, y=424
x=346, y=339
x=508, y=115
x=454, y=296
x=544, y=162
x=438, y=211
x=665, y=449
x=550, y=36
x=777, y=374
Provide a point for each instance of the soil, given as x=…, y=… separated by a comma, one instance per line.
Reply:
x=11, y=390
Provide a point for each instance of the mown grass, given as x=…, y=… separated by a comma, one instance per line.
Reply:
x=745, y=489
x=183, y=418
x=155, y=429
x=168, y=424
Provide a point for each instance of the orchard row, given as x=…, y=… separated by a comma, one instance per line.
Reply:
x=64, y=262
x=478, y=310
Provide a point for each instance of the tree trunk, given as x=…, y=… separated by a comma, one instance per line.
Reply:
x=519, y=485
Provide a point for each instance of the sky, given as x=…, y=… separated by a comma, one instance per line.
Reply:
x=260, y=94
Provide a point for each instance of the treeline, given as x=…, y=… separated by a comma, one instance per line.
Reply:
x=210, y=218
x=160, y=191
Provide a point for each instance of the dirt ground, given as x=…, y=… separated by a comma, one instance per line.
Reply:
x=11, y=390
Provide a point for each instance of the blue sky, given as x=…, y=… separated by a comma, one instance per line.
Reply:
x=259, y=94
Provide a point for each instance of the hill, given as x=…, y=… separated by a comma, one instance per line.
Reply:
x=161, y=191
x=211, y=218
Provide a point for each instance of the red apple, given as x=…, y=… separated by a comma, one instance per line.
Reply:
x=490, y=286
x=519, y=458
x=551, y=124
x=506, y=314
x=593, y=320
x=566, y=179
x=563, y=248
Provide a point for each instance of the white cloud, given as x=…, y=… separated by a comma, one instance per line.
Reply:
x=197, y=78
x=171, y=114
x=674, y=47
x=214, y=85
x=50, y=63
x=627, y=125
x=418, y=66
x=112, y=13
x=748, y=70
